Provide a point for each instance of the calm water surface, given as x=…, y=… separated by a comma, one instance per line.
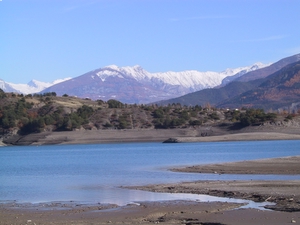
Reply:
x=93, y=173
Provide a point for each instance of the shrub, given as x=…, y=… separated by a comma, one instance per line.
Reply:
x=112, y=103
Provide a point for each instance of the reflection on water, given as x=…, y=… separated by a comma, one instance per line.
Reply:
x=92, y=173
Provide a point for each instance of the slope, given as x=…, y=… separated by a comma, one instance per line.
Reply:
x=216, y=96
x=213, y=96
x=266, y=71
x=279, y=90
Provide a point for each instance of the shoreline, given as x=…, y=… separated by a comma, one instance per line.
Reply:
x=289, y=165
x=285, y=194
x=183, y=135
x=251, y=136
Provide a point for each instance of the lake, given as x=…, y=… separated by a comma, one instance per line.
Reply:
x=93, y=173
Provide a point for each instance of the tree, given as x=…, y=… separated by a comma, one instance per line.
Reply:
x=255, y=117
x=2, y=94
x=158, y=113
x=85, y=112
x=112, y=103
x=184, y=115
x=122, y=124
x=5, y=122
x=34, y=125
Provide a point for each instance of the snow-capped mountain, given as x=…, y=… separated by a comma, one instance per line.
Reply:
x=6, y=87
x=192, y=79
x=136, y=85
x=236, y=75
x=252, y=88
x=33, y=86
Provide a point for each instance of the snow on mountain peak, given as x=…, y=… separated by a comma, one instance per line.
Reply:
x=34, y=86
x=136, y=72
x=112, y=67
x=191, y=79
x=109, y=71
x=37, y=84
x=60, y=80
x=243, y=70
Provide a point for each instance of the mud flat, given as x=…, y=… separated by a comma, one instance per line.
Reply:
x=251, y=136
x=98, y=136
x=285, y=165
x=170, y=212
x=155, y=135
x=285, y=194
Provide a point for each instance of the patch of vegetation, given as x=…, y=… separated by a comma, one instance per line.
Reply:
x=40, y=112
x=256, y=117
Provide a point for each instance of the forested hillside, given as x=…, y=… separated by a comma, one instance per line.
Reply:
x=37, y=113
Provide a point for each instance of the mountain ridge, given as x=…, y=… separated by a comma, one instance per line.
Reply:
x=33, y=86
x=281, y=90
x=230, y=95
x=136, y=85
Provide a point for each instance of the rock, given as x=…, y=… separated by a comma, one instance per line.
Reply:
x=171, y=140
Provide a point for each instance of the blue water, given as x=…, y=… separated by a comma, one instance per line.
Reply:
x=94, y=173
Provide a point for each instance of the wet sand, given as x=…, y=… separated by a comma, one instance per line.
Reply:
x=251, y=136
x=285, y=193
x=284, y=165
x=173, y=212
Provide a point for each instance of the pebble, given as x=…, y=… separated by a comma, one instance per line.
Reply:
x=293, y=221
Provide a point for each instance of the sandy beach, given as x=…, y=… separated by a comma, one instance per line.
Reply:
x=285, y=194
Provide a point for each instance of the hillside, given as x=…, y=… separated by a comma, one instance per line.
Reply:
x=37, y=114
x=213, y=96
x=266, y=71
x=280, y=90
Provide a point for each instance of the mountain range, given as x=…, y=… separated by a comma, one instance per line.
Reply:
x=228, y=88
x=34, y=86
x=276, y=86
x=130, y=84
x=136, y=85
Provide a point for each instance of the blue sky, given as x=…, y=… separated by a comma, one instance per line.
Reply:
x=51, y=39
